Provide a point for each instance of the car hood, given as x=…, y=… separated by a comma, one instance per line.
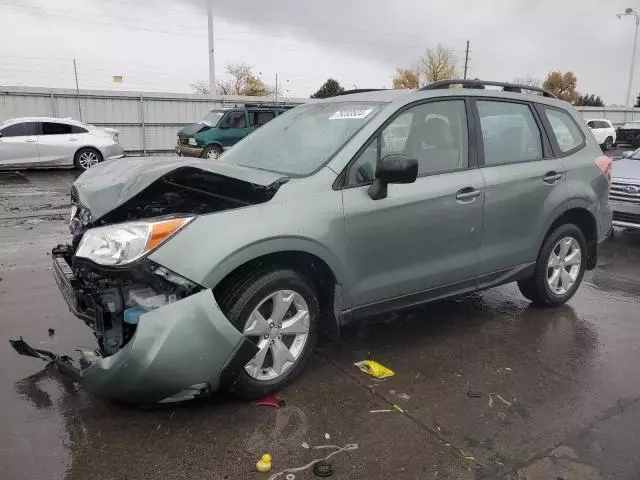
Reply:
x=191, y=130
x=158, y=185
x=627, y=168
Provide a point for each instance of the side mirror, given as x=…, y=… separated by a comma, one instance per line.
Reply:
x=224, y=126
x=393, y=169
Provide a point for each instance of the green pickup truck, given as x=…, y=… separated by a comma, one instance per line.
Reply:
x=220, y=129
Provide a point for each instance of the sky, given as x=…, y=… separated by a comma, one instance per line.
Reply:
x=161, y=45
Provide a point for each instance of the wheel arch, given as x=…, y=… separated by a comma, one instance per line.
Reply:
x=86, y=147
x=583, y=219
x=310, y=265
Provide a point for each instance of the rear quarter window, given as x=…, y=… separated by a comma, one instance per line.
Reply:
x=566, y=131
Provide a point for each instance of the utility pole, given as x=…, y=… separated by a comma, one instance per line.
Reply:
x=212, y=65
x=276, y=87
x=75, y=71
x=466, y=60
x=631, y=12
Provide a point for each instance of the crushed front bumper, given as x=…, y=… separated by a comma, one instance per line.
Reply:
x=187, y=151
x=180, y=351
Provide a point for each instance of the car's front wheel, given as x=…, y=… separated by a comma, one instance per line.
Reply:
x=608, y=144
x=211, y=152
x=277, y=310
x=559, y=269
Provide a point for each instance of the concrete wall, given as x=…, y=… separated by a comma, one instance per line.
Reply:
x=148, y=122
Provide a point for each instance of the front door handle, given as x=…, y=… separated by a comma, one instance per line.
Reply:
x=468, y=193
x=73, y=139
x=30, y=140
x=552, y=177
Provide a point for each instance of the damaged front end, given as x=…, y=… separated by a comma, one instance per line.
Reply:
x=160, y=336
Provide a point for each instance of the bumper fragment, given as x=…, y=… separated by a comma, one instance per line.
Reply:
x=187, y=151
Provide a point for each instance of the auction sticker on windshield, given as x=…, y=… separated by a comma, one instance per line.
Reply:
x=354, y=113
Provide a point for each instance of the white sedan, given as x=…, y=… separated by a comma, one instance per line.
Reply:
x=604, y=132
x=43, y=142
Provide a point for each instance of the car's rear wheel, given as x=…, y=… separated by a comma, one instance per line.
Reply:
x=277, y=310
x=86, y=158
x=608, y=144
x=211, y=152
x=559, y=269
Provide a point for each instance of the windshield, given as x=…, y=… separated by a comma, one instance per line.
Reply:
x=302, y=140
x=212, y=118
x=632, y=125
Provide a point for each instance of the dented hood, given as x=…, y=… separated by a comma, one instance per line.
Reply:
x=110, y=184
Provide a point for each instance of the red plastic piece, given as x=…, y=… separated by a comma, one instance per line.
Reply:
x=270, y=401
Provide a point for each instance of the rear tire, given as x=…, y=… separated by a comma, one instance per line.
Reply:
x=608, y=144
x=262, y=292
x=557, y=274
x=85, y=158
x=211, y=152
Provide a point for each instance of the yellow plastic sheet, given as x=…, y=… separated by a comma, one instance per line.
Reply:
x=374, y=369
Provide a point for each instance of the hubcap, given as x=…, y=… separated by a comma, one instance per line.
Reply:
x=279, y=326
x=564, y=265
x=88, y=160
x=213, y=153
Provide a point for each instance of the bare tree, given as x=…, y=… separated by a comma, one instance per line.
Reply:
x=529, y=81
x=201, y=87
x=438, y=63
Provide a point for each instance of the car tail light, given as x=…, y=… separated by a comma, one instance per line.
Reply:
x=605, y=164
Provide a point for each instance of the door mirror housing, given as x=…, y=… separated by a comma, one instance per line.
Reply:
x=393, y=169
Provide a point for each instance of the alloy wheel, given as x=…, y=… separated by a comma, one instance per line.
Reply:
x=563, y=266
x=279, y=326
x=88, y=160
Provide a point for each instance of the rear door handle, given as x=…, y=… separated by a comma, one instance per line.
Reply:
x=468, y=193
x=552, y=177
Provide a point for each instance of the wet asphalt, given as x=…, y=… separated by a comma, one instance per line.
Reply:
x=555, y=393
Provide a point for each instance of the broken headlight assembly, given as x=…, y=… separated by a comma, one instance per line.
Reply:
x=123, y=243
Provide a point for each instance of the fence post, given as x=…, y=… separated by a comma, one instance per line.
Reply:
x=142, y=129
x=53, y=104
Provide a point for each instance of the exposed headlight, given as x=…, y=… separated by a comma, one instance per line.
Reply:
x=192, y=141
x=126, y=242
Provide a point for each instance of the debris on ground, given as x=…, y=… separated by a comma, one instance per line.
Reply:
x=271, y=401
x=323, y=469
x=495, y=395
x=51, y=332
x=264, y=464
x=403, y=396
x=305, y=445
x=327, y=436
x=290, y=476
x=374, y=369
x=474, y=394
x=346, y=448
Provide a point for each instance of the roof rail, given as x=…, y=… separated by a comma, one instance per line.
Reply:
x=359, y=90
x=506, y=87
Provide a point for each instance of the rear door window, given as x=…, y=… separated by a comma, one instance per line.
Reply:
x=259, y=118
x=591, y=124
x=24, y=129
x=509, y=132
x=51, y=128
x=565, y=130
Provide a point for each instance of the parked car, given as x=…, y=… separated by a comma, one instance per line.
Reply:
x=604, y=132
x=624, y=197
x=629, y=134
x=221, y=129
x=44, y=142
x=197, y=275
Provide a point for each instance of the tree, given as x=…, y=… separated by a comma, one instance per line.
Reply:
x=201, y=87
x=406, y=78
x=330, y=88
x=242, y=82
x=562, y=86
x=438, y=63
x=529, y=81
x=587, y=100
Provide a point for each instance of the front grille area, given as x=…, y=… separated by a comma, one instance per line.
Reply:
x=183, y=141
x=625, y=192
x=626, y=217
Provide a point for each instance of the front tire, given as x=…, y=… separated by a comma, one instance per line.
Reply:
x=211, y=152
x=608, y=144
x=559, y=268
x=278, y=311
x=85, y=158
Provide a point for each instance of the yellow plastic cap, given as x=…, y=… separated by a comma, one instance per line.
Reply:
x=266, y=458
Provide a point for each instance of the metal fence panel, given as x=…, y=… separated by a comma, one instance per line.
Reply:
x=147, y=121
